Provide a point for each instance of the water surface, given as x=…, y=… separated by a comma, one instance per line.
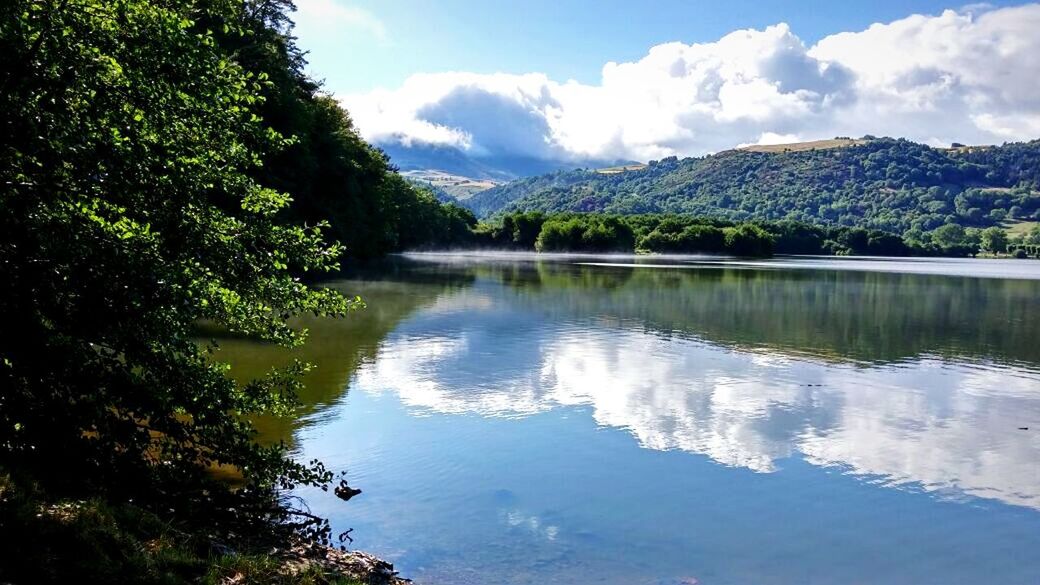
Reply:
x=677, y=420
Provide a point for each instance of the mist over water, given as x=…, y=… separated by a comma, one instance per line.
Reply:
x=576, y=419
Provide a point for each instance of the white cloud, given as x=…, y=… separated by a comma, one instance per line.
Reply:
x=966, y=76
x=334, y=14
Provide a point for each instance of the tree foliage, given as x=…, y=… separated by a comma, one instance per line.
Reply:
x=329, y=170
x=883, y=184
x=589, y=233
x=687, y=234
x=131, y=209
x=994, y=240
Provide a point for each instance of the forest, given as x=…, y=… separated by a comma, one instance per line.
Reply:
x=685, y=234
x=167, y=169
x=893, y=185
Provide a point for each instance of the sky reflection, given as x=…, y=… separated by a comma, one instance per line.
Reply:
x=546, y=421
x=946, y=427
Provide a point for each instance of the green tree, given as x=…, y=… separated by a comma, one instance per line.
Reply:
x=330, y=172
x=128, y=215
x=994, y=240
x=526, y=227
x=952, y=239
x=585, y=233
x=692, y=238
x=559, y=235
x=949, y=235
x=748, y=240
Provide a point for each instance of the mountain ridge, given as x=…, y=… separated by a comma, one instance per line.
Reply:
x=425, y=157
x=885, y=183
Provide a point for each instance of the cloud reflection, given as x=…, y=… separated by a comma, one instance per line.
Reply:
x=944, y=427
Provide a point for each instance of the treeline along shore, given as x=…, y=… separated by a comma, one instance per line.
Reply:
x=686, y=234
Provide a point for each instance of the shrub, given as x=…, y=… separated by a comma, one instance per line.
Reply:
x=748, y=240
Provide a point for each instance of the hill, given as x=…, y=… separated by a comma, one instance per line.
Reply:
x=453, y=187
x=424, y=158
x=883, y=183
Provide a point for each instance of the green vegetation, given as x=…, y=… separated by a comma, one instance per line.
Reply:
x=591, y=232
x=330, y=172
x=166, y=165
x=96, y=541
x=1027, y=236
x=884, y=184
x=993, y=240
x=1020, y=228
x=1024, y=243
x=679, y=234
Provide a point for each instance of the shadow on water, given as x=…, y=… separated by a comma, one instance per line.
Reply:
x=337, y=347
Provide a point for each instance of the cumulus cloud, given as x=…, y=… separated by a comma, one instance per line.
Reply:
x=965, y=76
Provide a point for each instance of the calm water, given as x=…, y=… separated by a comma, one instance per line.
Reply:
x=675, y=421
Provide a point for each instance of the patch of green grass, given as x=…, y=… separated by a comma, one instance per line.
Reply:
x=1020, y=227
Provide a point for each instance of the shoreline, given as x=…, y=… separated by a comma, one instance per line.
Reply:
x=58, y=543
x=348, y=564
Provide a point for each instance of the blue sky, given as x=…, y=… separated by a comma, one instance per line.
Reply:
x=569, y=81
x=565, y=39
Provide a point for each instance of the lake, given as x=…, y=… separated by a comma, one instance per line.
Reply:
x=679, y=420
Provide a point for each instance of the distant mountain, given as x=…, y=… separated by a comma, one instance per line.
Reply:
x=446, y=186
x=424, y=157
x=455, y=161
x=875, y=182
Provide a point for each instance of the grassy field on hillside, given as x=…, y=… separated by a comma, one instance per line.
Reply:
x=1020, y=228
x=621, y=169
x=802, y=146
